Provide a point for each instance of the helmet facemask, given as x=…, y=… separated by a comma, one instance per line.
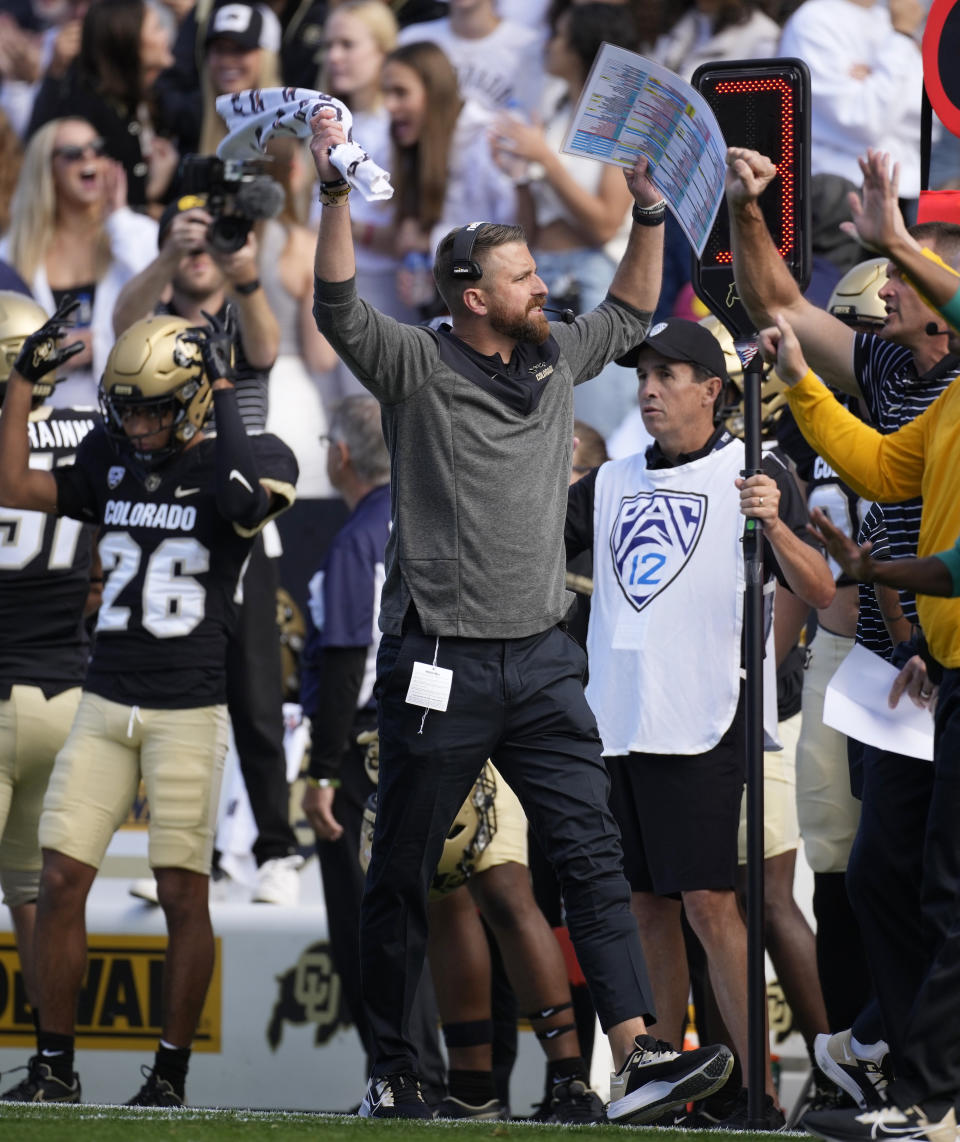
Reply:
x=154, y=368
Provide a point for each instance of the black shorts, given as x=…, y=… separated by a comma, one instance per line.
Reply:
x=679, y=814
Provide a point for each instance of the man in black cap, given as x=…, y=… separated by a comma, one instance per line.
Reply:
x=664, y=647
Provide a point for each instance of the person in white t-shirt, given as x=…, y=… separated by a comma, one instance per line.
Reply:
x=866, y=75
x=499, y=63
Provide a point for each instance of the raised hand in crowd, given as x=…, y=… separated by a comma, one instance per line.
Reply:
x=19, y=51
x=877, y=222
x=66, y=48
x=879, y=225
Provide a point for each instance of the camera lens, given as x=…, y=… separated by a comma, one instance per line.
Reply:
x=228, y=233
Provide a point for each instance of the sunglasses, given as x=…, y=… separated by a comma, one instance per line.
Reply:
x=71, y=153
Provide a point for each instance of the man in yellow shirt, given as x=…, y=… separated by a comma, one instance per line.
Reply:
x=921, y=457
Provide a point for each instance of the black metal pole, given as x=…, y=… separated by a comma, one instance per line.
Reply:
x=753, y=707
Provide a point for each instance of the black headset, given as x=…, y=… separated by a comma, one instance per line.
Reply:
x=463, y=264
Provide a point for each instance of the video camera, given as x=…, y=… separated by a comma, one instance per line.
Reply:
x=237, y=193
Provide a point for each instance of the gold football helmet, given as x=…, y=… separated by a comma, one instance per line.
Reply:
x=772, y=391
x=854, y=299
x=20, y=316
x=155, y=366
x=472, y=830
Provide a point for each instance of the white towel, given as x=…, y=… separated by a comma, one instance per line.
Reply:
x=253, y=117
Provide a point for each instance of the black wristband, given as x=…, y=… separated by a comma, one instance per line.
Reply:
x=649, y=216
x=247, y=288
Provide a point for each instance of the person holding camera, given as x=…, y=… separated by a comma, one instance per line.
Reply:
x=188, y=278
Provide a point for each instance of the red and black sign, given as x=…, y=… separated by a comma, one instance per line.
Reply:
x=763, y=105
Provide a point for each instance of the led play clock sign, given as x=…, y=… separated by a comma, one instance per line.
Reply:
x=763, y=105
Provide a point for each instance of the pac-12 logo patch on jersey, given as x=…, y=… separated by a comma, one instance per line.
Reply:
x=115, y=476
x=652, y=539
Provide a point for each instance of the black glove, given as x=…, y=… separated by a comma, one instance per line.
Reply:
x=41, y=353
x=216, y=341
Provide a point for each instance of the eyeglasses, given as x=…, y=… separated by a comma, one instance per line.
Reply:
x=71, y=153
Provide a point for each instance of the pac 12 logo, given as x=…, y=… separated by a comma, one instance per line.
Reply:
x=652, y=539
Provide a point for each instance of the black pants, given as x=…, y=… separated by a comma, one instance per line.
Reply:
x=342, y=879
x=931, y=1042
x=885, y=877
x=255, y=702
x=521, y=703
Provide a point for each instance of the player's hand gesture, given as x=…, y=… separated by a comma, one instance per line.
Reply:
x=42, y=352
x=216, y=342
x=748, y=175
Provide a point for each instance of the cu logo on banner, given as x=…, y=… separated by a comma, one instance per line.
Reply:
x=652, y=539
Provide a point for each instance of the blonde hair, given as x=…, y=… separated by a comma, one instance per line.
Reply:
x=376, y=17
x=213, y=130
x=33, y=209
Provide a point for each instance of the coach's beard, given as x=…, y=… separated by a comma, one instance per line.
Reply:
x=532, y=329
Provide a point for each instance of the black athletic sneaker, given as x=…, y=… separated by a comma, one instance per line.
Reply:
x=818, y=1093
x=451, y=1107
x=657, y=1078
x=155, y=1091
x=772, y=1116
x=914, y=1124
x=42, y=1085
x=395, y=1096
x=570, y=1102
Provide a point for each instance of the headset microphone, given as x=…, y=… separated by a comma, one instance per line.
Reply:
x=933, y=330
x=566, y=315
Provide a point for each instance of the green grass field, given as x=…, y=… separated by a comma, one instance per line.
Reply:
x=32, y=1123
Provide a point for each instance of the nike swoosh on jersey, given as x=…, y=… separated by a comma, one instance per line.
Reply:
x=179, y=492
x=241, y=479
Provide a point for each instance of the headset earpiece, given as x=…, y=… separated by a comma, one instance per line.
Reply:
x=463, y=264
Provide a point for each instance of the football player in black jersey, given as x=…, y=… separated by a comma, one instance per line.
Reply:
x=45, y=566
x=178, y=513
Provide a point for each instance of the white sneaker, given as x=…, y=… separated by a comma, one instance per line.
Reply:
x=278, y=881
x=862, y=1079
x=145, y=889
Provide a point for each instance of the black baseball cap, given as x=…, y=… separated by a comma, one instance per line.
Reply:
x=681, y=340
x=241, y=24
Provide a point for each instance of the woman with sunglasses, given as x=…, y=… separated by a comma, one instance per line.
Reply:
x=71, y=231
x=124, y=46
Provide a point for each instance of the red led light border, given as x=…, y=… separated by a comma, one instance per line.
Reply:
x=784, y=167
